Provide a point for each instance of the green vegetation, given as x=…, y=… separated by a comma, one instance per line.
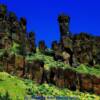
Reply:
x=1, y=52
x=14, y=86
x=15, y=48
x=16, y=89
x=5, y=97
x=1, y=67
x=88, y=70
x=50, y=62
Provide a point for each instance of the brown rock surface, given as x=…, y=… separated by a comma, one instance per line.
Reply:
x=19, y=61
x=85, y=83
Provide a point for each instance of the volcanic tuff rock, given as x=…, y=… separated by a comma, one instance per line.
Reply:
x=16, y=44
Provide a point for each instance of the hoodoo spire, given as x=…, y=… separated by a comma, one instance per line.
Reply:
x=64, y=25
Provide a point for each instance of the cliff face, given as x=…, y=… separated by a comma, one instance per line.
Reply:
x=71, y=50
x=81, y=48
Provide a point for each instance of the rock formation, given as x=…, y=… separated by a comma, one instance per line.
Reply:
x=16, y=44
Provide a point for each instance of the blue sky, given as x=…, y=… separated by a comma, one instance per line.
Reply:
x=42, y=16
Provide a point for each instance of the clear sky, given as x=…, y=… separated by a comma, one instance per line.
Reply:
x=42, y=16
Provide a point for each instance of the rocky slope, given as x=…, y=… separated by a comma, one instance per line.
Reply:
x=18, y=89
x=73, y=62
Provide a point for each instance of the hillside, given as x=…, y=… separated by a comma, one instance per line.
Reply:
x=19, y=88
x=71, y=67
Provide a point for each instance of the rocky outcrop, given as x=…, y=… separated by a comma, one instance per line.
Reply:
x=34, y=70
x=96, y=84
x=70, y=79
x=74, y=81
x=85, y=83
x=42, y=46
x=32, y=44
x=79, y=46
x=71, y=49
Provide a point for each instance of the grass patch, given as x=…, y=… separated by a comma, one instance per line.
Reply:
x=87, y=70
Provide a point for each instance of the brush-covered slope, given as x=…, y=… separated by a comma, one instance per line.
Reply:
x=50, y=62
x=19, y=88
